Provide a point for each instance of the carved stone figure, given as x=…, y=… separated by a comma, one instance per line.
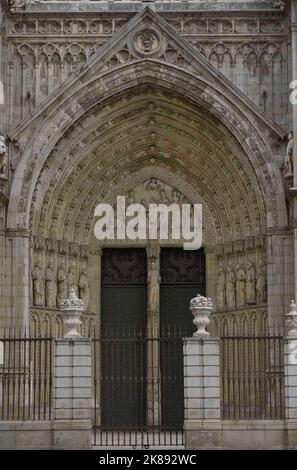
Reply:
x=38, y=285
x=289, y=155
x=261, y=285
x=71, y=279
x=221, y=288
x=240, y=287
x=83, y=287
x=62, y=285
x=153, y=285
x=50, y=286
x=250, y=284
x=16, y=5
x=230, y=288
x=3, y=156
x=281, y=4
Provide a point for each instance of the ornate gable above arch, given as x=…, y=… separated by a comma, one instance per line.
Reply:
x=147, y=36
x=146, y=50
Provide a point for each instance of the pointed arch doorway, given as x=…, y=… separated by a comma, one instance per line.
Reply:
x=141, y=349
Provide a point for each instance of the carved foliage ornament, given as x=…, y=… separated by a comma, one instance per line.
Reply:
x=201, y=301
x=72, y=303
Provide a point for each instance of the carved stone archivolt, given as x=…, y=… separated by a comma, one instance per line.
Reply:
x=107, y=169
x=65, y=161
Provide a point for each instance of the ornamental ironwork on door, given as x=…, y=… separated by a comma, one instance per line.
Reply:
x=123, y=316
x=139, y=391
x=182, y=277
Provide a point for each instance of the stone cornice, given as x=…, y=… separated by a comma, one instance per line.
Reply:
x=184, y=6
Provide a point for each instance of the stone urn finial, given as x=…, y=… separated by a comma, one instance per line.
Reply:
x=201, y=308
x=291, y=320
x=71, y=310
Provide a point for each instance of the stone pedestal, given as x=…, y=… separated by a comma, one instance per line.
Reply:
x=73, y=378
x=72, y=394
x=202, y=425
x=291, y=391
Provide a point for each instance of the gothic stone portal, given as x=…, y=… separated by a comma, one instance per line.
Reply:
x=133, y=104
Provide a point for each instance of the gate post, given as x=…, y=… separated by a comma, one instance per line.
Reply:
x=202, y=424
x=72, y=424
x=290, y=366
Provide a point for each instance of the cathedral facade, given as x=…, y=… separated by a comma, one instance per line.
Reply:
x=182, y=101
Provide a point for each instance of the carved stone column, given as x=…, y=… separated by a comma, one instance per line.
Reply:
x=95, y=260
x=294, y=156
x=18, y=274
x=280, y=277
x=153, y=328
x=153, y=286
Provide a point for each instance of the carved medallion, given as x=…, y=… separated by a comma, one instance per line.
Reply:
x=147, y=42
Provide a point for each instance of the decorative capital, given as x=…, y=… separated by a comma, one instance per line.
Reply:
x=201, y=301
x=291, y=320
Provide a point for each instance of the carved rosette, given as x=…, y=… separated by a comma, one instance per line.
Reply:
x=291, y=320
x=71, y=311
x=201, y=308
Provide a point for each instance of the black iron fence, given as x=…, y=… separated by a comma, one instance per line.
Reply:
x=252, y=377
x=26, y=377
x=138, y=390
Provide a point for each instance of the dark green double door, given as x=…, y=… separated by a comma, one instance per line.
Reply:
x=124, y=346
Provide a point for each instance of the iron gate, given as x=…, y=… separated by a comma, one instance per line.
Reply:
x=26, y=377
x=132, y=377
x=252, y=377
